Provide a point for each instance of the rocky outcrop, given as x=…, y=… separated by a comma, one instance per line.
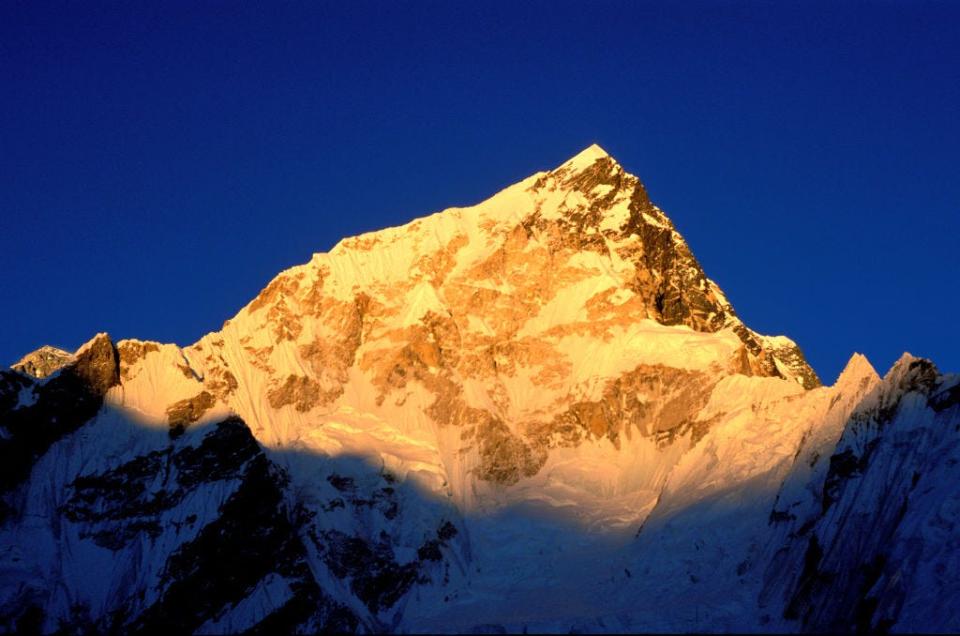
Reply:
x=43, y=362
x=186, y=412
x=301, y=392
x=58, y=407
x=651, y=401
x=97, y=365
x=133, y=351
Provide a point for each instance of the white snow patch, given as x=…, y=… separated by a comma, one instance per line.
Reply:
x=28, y=396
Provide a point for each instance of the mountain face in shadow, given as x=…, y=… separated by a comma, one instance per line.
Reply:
x=150, y=529
x=533, y=413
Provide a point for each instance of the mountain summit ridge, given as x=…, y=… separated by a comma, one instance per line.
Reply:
x=582, y=204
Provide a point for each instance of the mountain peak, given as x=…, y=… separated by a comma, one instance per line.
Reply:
x=586, y=158
x=857, y=368
x=910, y=372
x=551, y=364
x=43, y=362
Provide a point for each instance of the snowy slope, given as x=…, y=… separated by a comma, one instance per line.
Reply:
x=535, y=412
x=878, y=550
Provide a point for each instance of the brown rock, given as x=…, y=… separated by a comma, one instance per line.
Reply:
x=43, y=362
x=98, y=365
x=186, y=412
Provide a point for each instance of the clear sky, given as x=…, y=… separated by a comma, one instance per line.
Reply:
x=161, y=162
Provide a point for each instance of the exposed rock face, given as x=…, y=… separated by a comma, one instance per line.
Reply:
x=536, y=412
x=789, y=361
x=43, y=362
x=56, y=408
x=186, y=412
x=133, y=351
x=671, y=400
x=97, y=365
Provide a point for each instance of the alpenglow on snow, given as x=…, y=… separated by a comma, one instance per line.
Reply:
x=535, y=413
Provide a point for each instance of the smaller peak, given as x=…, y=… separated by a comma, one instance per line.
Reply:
x=909, y=372
x=585, y=158
x=43, y=362
x=97, y=341
x=905, y=358
x=903, y=364
x=98, y=364
x=50, y=350
x=857, y=368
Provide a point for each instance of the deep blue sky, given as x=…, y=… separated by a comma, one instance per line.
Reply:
x=160, y=163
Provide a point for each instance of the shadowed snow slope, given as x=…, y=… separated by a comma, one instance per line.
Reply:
x=536, y=412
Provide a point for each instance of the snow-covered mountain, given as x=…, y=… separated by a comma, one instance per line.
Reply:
x=533, y=413
x=43, y=362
